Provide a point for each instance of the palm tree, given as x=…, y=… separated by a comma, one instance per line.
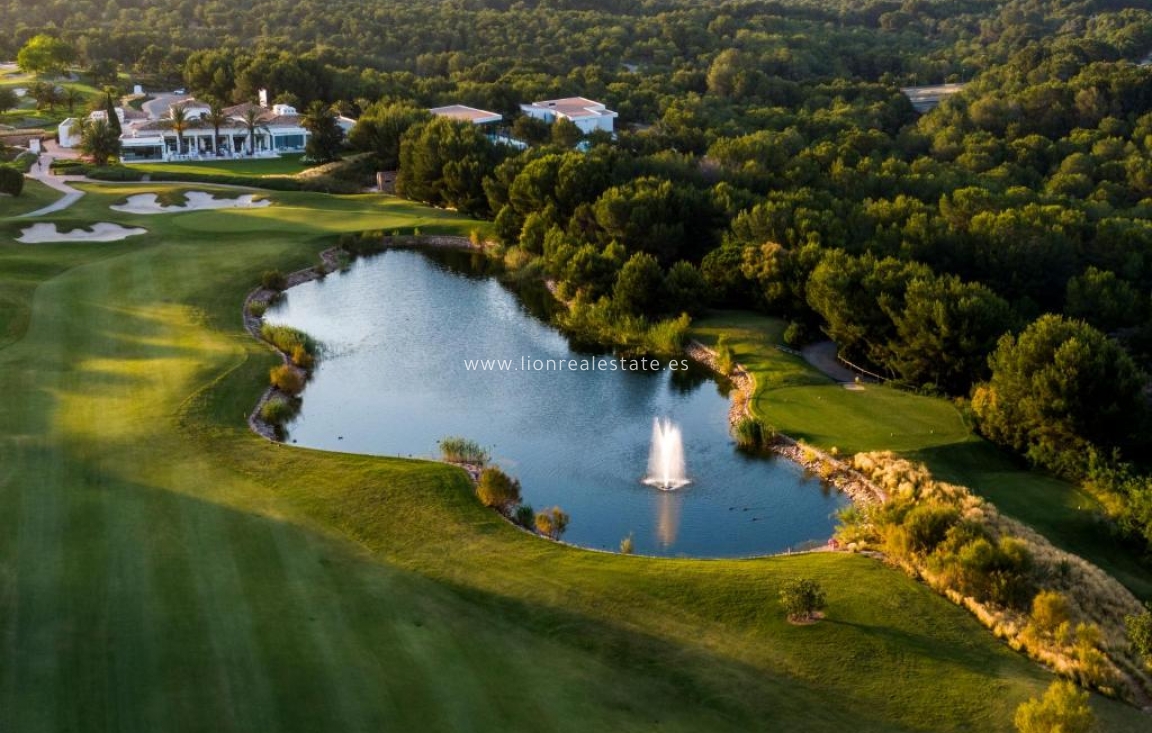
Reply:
x=99, y=140
x=179, y=123
x=252, y=124
x=71, y=97
x=326, y=136
x=216, y=118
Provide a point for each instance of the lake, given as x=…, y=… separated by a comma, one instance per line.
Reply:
x=405, y=336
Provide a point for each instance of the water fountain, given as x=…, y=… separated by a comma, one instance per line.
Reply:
x=666, y=459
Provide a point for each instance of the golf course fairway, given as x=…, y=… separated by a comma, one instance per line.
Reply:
x=164, y=569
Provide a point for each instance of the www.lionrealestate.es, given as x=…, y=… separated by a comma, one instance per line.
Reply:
x=595, y=364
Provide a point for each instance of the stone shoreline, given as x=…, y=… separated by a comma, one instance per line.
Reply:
x=828, y=467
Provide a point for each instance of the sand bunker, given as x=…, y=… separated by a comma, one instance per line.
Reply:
x=102, y=232
x=148, y=203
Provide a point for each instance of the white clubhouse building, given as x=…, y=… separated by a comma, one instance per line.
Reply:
x=586, y=114
x=148, y=135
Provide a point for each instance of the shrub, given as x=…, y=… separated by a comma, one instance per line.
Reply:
x=273, y=280
x=627, y=546
x=110, y=173
x=667, y=336
x=1050, y=614
x=1139, y=628
x=287, y=379
x=802, y=599
x=1093, y=667
x=797, y=334
x=927, y=525
x=462, y=450
x=277, y=410
x=752, y=434
x=257, y=308
x=1063, y=709
x=11, y=180
x=552, y=522
x=286, y=338
x=301, y=357
x=525, y=516
x=498, y=490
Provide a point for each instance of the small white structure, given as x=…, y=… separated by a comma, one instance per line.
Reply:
x=69, y=133
x=586, y=114
x=463, y=113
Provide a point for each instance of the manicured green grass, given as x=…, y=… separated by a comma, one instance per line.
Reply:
x=163, y=569
x=286, y=165
x=804, y=404
x=34, y=196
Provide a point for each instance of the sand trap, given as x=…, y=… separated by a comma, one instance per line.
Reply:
x=147, y=203
x=853, y=386
x=102, y=232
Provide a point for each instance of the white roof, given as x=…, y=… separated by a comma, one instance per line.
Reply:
x=464, y=113
x=574, y=107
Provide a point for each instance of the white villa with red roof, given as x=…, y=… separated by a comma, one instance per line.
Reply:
x=586, y=114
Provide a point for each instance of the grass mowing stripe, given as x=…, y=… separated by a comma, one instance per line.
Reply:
x=135, y=636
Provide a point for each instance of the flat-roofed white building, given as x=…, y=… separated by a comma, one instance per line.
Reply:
x=463, y=113
x=586, y=114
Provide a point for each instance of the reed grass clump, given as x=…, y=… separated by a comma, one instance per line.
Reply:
x=274, y=280
x=277, y=410
x=724, y=358
x=455, y=449
x=287, y=379
x=288, y=339
x=753, y=434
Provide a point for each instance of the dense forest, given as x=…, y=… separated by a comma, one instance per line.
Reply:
x=997, y=249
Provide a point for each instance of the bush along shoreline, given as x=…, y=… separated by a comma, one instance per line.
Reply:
x=500, y=492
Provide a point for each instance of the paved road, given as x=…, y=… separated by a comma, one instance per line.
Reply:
x=822, y=355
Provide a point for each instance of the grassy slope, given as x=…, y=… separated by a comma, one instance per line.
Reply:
x=284, y=166
x=162, y=569
x=805, y=404
x=34, y=196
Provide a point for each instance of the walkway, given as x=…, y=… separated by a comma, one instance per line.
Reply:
x=42, y=172
x=822, y=355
